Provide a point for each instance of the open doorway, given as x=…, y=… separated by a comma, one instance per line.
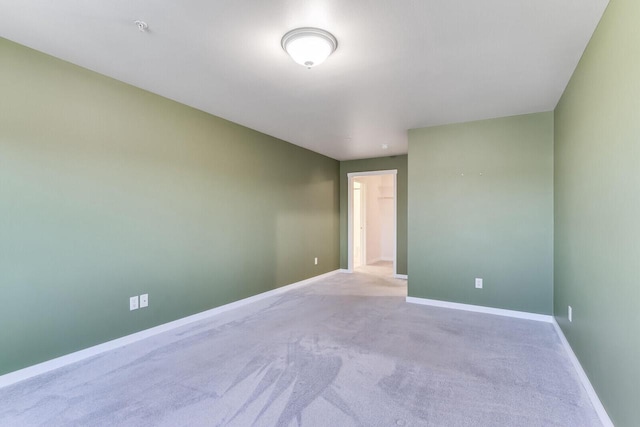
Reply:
x=372, y=206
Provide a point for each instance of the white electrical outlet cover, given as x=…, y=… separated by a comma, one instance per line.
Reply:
x=478, y=283
x=144, y=300
x=570, y=314
x=316, y=260
x=133, y=303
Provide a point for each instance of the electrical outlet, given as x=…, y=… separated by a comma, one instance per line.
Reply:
x=570, y=313
x=144, y=300
x=133, y=303
x=478, y=283
x=316, y=260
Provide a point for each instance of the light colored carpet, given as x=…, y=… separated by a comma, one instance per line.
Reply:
x=380, y=268
x=345, y=351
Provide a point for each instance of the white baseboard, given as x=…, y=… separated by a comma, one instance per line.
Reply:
x=345, y=270
x=50, y=365
x=482, y=309
x=401, y=276
x=593, y=396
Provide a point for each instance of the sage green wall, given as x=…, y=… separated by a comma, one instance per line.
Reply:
x=376, y=164
x=597, y=211
x=108, y=191
x=481, y=205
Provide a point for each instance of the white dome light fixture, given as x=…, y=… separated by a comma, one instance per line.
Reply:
x=309, y=46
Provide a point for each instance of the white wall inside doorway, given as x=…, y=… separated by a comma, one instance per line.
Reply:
x=379, y=212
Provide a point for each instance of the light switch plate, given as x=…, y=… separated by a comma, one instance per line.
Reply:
x=144, y=300
x=133, y=303
x=478, y=283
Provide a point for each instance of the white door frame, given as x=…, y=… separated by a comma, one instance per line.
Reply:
x=350, y=177
x=363, y=221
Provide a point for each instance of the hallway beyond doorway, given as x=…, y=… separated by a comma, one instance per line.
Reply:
x=371, y=221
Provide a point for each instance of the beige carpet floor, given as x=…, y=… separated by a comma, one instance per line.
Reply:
x=344, y=351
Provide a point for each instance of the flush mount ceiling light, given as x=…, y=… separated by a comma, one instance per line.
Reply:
x=309, y=46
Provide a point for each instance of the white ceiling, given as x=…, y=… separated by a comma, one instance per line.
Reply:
x=399, y=64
